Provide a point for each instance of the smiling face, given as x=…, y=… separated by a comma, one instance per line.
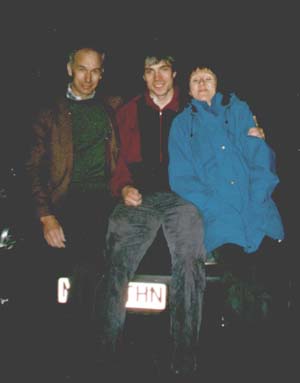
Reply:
x=203, y=84
x=86, y=71
x=159, y=78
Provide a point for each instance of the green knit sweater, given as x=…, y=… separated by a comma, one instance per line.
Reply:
x=90, y=126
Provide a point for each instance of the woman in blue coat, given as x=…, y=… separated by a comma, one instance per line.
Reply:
x=229, y=175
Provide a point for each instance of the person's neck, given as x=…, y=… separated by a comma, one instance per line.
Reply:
x=73, y=96
x=163, y=100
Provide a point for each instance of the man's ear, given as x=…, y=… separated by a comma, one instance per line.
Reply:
x=69, y=69
x=174, y=74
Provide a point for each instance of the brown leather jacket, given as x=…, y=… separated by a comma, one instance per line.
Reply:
x=51, y=157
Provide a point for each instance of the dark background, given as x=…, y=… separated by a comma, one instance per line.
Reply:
x=253, y=48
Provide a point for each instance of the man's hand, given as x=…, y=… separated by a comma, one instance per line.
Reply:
x=256, y=131
x=131, y=196
x=53, y=232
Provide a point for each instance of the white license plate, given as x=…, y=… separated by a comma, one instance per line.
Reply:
x=147, y=295
x=141, y=295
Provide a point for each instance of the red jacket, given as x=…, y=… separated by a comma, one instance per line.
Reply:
x=130, y=137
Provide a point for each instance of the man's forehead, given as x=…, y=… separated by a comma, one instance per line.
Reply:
x=87, y=54
x=158, y=64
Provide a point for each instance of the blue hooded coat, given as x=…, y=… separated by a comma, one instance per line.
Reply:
x=227, y=174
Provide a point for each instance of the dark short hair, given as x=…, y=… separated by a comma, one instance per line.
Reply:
x=152, y=60
x=158, y=51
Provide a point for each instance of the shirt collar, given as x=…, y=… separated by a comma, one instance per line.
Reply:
x=70, y=95
x=172, y=105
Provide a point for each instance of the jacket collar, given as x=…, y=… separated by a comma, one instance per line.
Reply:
x=172, y=105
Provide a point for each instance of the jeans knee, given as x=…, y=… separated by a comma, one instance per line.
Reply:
x=192, y=217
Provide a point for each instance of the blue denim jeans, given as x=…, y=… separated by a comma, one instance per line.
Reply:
x=131, y=231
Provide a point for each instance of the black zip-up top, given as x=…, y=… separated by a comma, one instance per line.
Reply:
x=151, y=174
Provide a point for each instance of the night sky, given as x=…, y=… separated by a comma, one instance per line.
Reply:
x=252, y=48
x=247, y=44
